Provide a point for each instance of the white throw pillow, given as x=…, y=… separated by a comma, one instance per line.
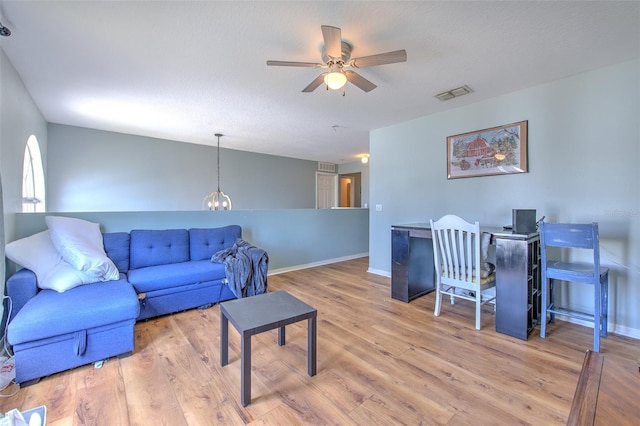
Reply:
x=80, y=243
x=38, y=254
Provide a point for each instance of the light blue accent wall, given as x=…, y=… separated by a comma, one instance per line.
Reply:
x=584, y=150
x=19, y=119
x=95, y=170
x=293, y=238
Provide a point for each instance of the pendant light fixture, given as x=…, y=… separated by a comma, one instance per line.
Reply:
x=217, y=200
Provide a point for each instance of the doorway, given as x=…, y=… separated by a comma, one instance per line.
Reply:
x=326, y=190
x=350, y=190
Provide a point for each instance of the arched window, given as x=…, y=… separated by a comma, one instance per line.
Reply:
x=32, y=178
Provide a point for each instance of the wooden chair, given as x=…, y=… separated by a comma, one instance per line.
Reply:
x=573, y=236
x=459, y=269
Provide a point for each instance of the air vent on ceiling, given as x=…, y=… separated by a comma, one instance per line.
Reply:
x=454, y=93
x=326, y=167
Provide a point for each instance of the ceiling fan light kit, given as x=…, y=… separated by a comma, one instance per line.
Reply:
x=336, y=55
x=335, y=80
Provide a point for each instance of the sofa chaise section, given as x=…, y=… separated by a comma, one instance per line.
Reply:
x=50, y=333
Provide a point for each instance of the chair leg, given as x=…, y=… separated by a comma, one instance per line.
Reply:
x=543, y=310
x=478, y=308
x=605, y=303
x=436, y=311
x=597, y=320
x=552, y=299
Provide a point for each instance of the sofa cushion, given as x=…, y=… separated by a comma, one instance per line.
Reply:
x=205, y=242
x=51, y=314
x=116, y=245
x=175, y=275
x=158, y=247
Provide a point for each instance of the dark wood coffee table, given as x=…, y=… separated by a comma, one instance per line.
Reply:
x=257, y=314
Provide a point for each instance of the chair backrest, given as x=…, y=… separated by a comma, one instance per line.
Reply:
x=570, y=235
x=456, y=248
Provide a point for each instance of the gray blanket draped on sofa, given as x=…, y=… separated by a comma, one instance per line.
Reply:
x=246, y=268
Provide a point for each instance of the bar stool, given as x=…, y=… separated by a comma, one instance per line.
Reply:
x=582, y=236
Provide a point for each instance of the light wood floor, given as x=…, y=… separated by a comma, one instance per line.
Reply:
x=380, y=361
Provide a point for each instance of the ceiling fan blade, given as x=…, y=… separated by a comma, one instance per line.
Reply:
x=359, y=81
x=379, y=59
x=332, y=41
x=315, y=83
x=294, y=64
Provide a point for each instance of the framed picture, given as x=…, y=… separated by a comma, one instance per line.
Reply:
x=495, y=151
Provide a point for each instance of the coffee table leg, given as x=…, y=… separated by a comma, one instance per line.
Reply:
x=245, y=378
x=224, y=339
x=281, y=336
x=311, y=346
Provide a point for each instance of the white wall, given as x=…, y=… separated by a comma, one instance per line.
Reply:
x=584, y=150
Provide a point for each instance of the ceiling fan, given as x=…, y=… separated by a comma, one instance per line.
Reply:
x=336, y=57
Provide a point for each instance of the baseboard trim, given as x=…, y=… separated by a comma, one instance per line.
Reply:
x=620, y=330
x=381, y=272
x=314, y=264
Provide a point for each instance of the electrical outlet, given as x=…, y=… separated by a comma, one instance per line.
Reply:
x=378, y=207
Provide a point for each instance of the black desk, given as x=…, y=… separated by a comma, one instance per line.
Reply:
x=518, y=291
x=412, y=271
x=517, y=273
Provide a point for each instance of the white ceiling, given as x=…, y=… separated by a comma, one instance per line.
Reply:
x=184, y=70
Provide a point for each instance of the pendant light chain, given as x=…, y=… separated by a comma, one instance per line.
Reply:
x=218, y=155
x=217, y=200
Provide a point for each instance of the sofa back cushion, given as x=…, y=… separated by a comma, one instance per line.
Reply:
x=205, y=242
x=116, y=245
x=158, y=247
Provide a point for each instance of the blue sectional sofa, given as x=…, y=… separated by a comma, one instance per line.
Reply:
x=161, y=272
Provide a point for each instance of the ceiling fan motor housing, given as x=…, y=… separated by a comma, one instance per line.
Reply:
x=346, y=53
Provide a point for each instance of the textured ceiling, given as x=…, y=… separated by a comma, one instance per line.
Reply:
x=184, y=70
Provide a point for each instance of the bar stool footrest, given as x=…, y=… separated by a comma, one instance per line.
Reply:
x=571, y=313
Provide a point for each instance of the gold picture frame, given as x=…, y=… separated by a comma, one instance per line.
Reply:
x=495, y=151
